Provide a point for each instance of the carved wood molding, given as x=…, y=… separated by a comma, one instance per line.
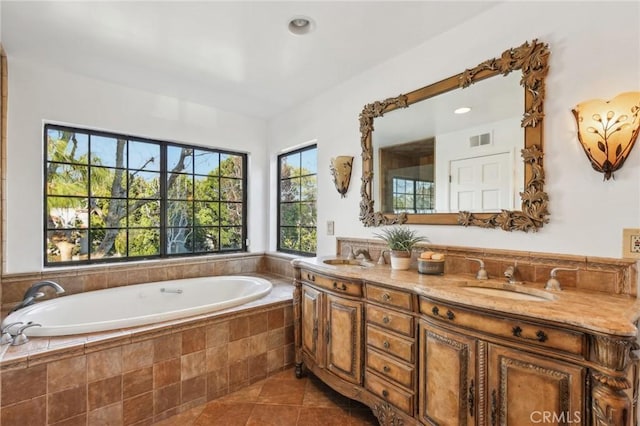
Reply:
x=610, y=407
x=531, y=59
x=614, y=353
x=561, y=377
x=387, y=415
x=377, y=109
x=617, y=383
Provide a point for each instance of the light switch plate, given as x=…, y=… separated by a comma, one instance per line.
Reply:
x=631, y=243
x=330, y=227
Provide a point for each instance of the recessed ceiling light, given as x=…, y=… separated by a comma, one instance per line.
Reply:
x=462, y=110
x=300, y=25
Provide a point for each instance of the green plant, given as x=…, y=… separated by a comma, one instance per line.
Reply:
x=399, y=238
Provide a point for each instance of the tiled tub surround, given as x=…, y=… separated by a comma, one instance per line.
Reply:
x=607, y=275
x=145, y=374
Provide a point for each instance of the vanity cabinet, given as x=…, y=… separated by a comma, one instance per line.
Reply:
x=331, y=327
x=419, y=359
x=466, y=380
x=390, y=346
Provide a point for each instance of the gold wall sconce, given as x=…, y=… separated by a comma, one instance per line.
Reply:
x=341, y=172
x=607, y=130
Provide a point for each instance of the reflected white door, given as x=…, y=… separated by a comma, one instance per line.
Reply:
x=481, y=184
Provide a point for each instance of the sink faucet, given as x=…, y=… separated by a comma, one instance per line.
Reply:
x=364, y=252
x=511, y=272
x=553, y=283
x=34, y=293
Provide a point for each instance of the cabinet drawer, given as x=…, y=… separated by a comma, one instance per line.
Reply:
x=386, y=296
x=389, y=343
x=391, y=369
x=395, y=321
x=334, y=284
x=389, y=392
x=514, y=329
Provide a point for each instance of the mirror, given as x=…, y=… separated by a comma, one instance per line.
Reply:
x=426, y=165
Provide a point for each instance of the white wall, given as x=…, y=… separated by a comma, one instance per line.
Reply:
x=40, y=94
x=595, y=53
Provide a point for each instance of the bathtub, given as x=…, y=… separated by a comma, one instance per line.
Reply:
x=139, y=304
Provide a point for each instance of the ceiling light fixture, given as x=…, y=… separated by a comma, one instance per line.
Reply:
x=300, y=25
x=462, y=110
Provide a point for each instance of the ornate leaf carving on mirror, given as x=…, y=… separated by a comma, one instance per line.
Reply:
x=531, y=59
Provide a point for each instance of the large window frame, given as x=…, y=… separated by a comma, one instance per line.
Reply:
x=192, y=202
x=305, y=205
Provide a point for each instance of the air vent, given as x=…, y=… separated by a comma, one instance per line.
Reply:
x=480, y=140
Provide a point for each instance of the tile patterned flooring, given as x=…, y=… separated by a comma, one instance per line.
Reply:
x=280, y=400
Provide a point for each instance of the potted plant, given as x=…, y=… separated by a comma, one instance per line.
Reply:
x=401, y=241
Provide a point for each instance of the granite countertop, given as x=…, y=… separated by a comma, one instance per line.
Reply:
x=593, y=311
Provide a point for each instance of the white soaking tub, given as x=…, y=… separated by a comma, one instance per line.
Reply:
x=139, y=304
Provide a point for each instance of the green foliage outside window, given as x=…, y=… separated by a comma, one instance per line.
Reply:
x=297, y=177
x=114, y=197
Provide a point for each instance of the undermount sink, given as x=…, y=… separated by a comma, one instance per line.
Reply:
x=348, y=262
x=510, y=291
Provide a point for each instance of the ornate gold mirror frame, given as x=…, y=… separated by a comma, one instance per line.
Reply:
x=531, y=58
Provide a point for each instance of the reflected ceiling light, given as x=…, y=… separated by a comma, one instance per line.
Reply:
x=607, y=130
x=301, y=25
x=462, y=110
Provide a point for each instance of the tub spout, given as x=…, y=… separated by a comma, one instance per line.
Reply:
x=34, y=293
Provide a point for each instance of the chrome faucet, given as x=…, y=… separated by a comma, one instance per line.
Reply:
x=364, y=252
x=34, y=293
x=511, y=273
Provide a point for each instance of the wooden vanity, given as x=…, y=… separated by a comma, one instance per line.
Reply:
x=422, y=349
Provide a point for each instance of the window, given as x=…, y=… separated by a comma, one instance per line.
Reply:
x=297, y=188
x=412, y=196
x=112, y=197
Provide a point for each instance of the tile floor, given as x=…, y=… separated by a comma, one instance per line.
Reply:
x=280, y=400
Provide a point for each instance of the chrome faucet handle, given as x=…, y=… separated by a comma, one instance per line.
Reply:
x=381, y=260
x=482, y=273
x=21, y=338
x=553, y=283
x=7, y=337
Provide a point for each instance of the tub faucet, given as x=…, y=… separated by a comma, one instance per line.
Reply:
x=364, y=252
x=34, y=293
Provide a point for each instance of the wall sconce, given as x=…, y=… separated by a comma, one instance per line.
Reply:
x=607, y=130
x=341, y=172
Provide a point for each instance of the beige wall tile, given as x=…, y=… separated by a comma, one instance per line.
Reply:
x=104, y=364
x=66, y=373
x=23, y=384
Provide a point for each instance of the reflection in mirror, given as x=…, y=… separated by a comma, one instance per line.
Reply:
x=427, y=165
x=434, y=160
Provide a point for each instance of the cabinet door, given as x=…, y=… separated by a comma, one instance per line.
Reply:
x=311, y=316
x=448, y=387
x=344, y=338
x=530, y=389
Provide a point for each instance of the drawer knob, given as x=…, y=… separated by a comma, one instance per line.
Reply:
x=541, y=336
x=311, y=277
x=385, y=393
x=342, y=286
x=386, y=344
x=386, y=297
x=449, y=315
x=386, y=320
x=386, y=369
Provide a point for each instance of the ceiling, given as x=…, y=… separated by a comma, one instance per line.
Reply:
x=236, y=56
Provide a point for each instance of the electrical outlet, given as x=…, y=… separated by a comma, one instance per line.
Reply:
x=631, y=243
x=330, y=227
